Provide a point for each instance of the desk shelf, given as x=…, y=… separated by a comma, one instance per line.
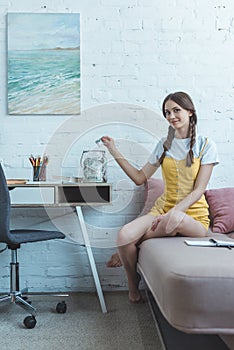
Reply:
x=70, y=195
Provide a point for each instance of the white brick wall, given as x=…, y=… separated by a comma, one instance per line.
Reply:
x=133, y=52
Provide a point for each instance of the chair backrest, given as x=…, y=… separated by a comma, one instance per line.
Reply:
x=5, y=208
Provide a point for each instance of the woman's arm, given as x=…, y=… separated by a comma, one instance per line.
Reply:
x=139, y=176
x=201, y=182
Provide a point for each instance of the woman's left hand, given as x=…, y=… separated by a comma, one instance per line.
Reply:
x=155, y=222
x=150, y=233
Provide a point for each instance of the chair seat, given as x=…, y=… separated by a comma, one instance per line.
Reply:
x=24, y=236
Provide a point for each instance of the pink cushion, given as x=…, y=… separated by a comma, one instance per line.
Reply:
x=153, y=189
x=221, y=203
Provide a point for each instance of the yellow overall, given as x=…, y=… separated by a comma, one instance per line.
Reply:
x=179, y=182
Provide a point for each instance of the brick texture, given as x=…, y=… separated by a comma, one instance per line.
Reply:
x=133, y=53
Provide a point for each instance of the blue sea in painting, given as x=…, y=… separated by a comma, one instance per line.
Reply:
x=44, y=81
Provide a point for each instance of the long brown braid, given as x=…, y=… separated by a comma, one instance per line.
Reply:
x=167, y=143
x=184, y=101
x=192, y=135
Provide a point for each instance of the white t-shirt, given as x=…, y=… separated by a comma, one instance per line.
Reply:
x=180, y=147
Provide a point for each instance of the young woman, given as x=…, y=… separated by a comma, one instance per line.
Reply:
x=187, y=162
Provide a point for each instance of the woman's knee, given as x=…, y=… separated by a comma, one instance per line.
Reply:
x=123, y=236
x=126, y=236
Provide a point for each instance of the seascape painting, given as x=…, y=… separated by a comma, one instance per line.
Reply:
x=43, y=63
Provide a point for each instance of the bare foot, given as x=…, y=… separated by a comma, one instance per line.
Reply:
x=134, y=293
x=114, y=261
x=136, y=298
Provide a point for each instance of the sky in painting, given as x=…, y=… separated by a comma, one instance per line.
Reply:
x=30, y=31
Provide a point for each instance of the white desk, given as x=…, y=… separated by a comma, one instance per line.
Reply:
x=49, y=194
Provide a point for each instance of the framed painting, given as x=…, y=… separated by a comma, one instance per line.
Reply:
x=43, y=63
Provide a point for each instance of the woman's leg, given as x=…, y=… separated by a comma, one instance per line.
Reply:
x=115, y=260
x=128, y=251
x=177, y=222
x=173, y=223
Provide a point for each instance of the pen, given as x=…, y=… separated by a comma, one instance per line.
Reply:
x=220, y=245
x=38, y=161
x=32, y=160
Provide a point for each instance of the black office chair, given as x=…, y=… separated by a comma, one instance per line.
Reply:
x=13, y=240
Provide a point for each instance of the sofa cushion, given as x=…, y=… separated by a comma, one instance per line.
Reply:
x=221, y=203
x=153, y=189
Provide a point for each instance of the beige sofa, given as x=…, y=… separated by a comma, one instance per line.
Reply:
x=193, y=286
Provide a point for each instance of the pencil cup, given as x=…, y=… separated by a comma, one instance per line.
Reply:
x=42, y=173
x=39, y=173
x=36, y=170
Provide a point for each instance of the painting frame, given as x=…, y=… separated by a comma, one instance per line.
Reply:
x=43, y=63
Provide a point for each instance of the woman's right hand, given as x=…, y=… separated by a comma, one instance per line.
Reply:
x=138, y=176
x=109, y=143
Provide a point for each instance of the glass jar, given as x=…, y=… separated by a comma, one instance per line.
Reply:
x=93, y=164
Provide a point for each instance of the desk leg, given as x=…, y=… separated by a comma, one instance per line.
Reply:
x=91, y=258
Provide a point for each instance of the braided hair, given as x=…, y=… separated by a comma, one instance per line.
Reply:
x=184, y=101
x=167, y=143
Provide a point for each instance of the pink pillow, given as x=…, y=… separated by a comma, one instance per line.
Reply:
x=153, y=189
x=221, y=203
